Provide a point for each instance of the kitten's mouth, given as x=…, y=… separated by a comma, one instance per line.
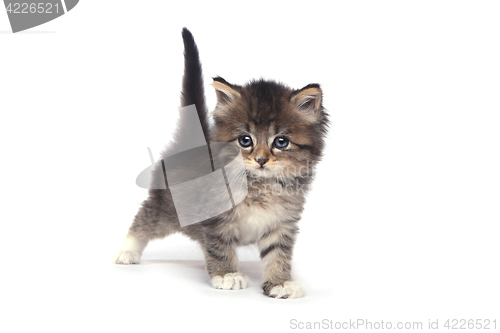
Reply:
x=257, y=167
x=259, y=170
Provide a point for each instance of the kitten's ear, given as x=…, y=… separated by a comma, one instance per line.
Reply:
x=308, y=99
x=226, y=92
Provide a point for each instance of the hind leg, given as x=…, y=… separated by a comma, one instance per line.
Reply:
x=130, y=251
x=153, y=221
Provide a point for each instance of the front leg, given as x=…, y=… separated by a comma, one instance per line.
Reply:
x=222, y=262
x=276, y=247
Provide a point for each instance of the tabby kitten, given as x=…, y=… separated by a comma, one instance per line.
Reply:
x=280, y=132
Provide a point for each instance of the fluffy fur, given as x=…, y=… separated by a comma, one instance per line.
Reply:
x=278, y=178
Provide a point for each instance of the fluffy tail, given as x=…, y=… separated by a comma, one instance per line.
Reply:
x=188, y=134
x=192, y=82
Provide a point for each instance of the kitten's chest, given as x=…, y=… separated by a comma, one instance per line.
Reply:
x=263, y=210
x=255, y=220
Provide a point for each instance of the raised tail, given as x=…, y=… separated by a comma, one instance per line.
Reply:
x=189, y=136
x=192, y=82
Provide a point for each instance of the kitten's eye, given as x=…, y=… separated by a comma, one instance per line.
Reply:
x=280, y=142
x=245, y=141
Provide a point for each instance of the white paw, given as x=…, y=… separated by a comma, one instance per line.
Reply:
x=126, y=257
x=230, y=281
x=290, y=289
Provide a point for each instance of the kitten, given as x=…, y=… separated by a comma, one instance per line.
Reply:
x=280, y=132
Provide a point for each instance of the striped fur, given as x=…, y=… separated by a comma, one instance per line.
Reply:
x=269, y=214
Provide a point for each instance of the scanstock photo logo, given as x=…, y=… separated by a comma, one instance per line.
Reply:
x=26, y=14
x=205, y=179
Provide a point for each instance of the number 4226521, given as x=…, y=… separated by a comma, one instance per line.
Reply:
x=32, y=8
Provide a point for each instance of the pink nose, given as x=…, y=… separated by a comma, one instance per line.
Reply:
x=261, y=160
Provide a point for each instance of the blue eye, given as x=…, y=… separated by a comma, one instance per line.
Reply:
x=280, y=142
x=245, y=141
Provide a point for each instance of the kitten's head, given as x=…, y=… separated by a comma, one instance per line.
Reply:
x=280, y=130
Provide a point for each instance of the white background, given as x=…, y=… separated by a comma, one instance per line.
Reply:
x=402, y=223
